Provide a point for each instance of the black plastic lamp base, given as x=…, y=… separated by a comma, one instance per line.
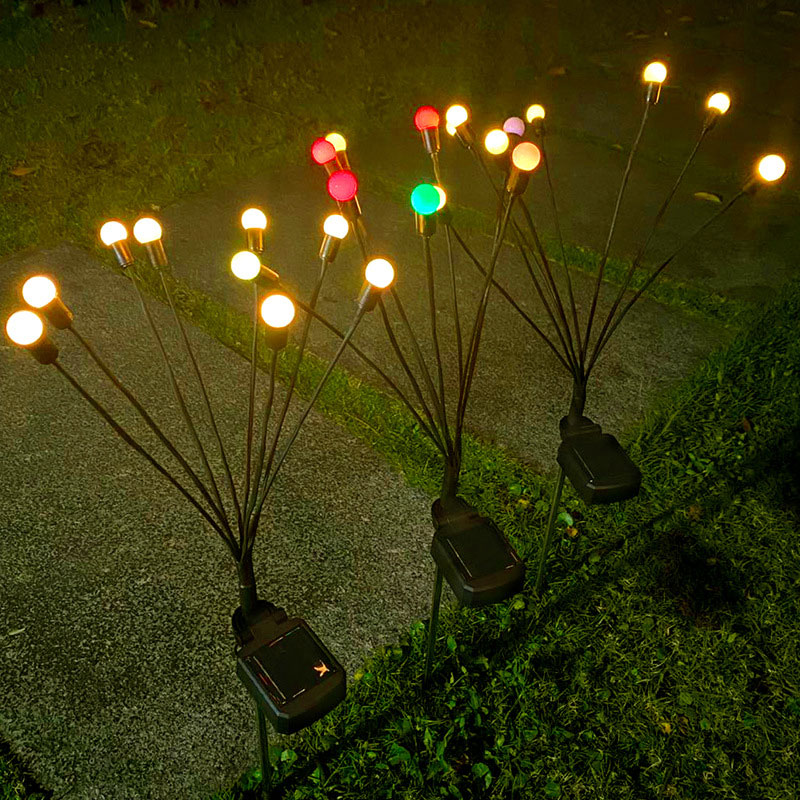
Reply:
x=292, y=676
x=595, y=464
x=478, y=563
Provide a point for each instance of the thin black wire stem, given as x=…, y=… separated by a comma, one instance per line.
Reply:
x=521, y=241
x=477, y=329
x=206, y=400
x=219, y=507
x=661, y=267
x=523, y=247
x=561, y=243
x=370, y=363
x=512, y=302
x=426, y=246
x=312, y=303
x=362, y=244
x=643, y=249
x=151, y=423
x=251, y=402
x=426, y=375
x=434, y=431
x=543, y=256
x=131, y=442
x=263, y=446
x=459, y=342
x=299, y=424
x=607, y=248
x=436, y=169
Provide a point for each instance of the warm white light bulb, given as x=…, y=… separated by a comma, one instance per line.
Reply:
x=336, y=225
x=379, y=273
x=771, y=167
x=24, y=327
x=442, y=197
x=534, y=112
x=655, y=72
x=246, y=265
x=146, y=230
x=719, y=102
x=338, y=141
x=496, y=141
x=38, y=291
x=113, y=232
x=454, y=116
x=277, y=310
x=254, y=218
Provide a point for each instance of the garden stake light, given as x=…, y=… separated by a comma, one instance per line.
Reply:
x=293, y=677
x=595, y=463
x=254, y=222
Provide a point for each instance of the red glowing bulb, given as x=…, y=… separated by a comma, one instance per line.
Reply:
x=322, y=151
x=426, y=117
x=342, y=185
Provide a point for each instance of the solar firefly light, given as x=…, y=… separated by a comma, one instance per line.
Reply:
x=254, y=222
x=335, y=228
x=426, y=121
x=457, y=124
x=289, y=671
x=595, y=464
x=324, y=153
x=515, y=128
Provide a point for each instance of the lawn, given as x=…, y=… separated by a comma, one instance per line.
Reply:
x=660, y=661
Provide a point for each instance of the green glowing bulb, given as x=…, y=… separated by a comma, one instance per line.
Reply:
x=425, y=199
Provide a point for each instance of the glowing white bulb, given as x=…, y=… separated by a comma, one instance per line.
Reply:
x=450, y=128
x=113, y=232
x=534, y=112
x=277, y=310
x=254, y=218
x=496, y=142
x=338, y=141
x=655, y=72
x=146, y=230
x=336, y=225
x=379, y=273
x=24, y=327
x=772, y=167
x=246, y=265
x=719, y=102
x=454, y=116
x=38, y=291
x=442, y=197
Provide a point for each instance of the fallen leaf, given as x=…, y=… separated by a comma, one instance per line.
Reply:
x=685, y=18
x=557, y=71
x=16, y=632
x=147, y=24
x=747, y=426
x=784, y=12
x=694, y=513
x=665, y=727
x=712, y=197
x=21, y=172
x=571, y=531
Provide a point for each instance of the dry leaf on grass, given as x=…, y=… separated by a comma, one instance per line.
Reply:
x=20, y=172
x=711, y=197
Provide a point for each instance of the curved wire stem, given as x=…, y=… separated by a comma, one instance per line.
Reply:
x=523, y=248
x=251, y=402
x=206, y=400
x=370, y=363
x=434, y=433
x=426, y=375
x=426, y=246
x=643, y=248
x=661, y=267
x=512, y=302
x=219, y=508
x=477, y=328
x=151, y=423
x=607, y=248
x=456, y=316
x=312, y=303
x=131, y=442
x=299, y=424
x=552, y=193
